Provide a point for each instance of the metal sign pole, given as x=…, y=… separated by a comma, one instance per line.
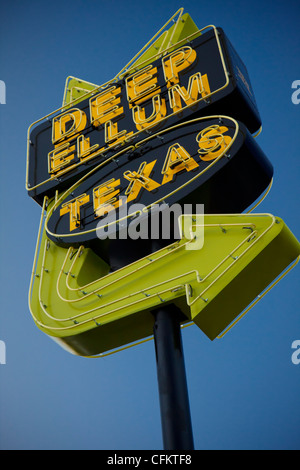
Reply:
x=172, y=383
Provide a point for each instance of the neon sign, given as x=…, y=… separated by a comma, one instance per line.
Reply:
x=193, y=161
x=194, y=80
x=88, y=310
x=175, y=128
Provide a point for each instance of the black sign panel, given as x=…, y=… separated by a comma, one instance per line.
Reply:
x=212, y=161
x=203, y=77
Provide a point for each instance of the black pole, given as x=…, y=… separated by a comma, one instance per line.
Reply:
x=172, y=383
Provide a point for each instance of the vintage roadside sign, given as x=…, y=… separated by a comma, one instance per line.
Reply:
x=88, y=310
x=192, y=162
x=175, y=127
x=202, y=76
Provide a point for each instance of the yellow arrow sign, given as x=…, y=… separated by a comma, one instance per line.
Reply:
x=76, y=300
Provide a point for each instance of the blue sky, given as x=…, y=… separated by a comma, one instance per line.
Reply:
x=244, y=389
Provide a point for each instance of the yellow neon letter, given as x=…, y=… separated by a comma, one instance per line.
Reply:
x=212, y=143
x=73, y=207
x=85, y=151
x=60, y=158
x=142, y=85
x=159, y=112
x=140, y=179
x=67, y=125
x=198, y=85
x=106, y=106
x=105, y=199
x=176, y=62
x=178, y=159
x=113, y=136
